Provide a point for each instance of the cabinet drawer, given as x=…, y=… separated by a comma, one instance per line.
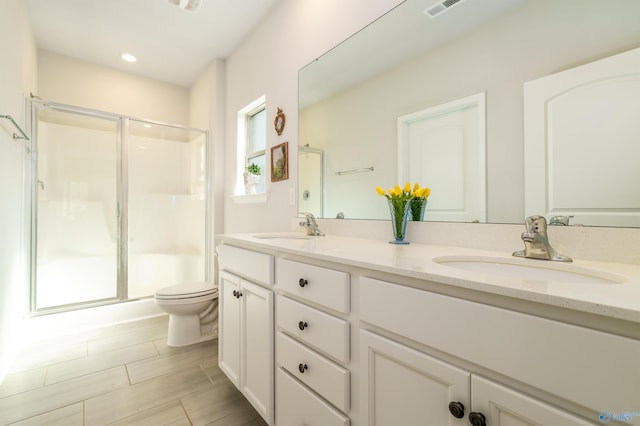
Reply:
x=296, y=405
x=250, y=264
x=575, y=363
x=321, y=330
x=320, y=285
x=323, y=376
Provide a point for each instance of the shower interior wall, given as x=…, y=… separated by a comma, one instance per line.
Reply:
x=167, y=212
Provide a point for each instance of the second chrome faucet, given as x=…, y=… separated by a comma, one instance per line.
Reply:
x=311, y=226
x=536, y=241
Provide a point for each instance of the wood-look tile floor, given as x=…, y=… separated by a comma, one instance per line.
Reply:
x=121, y=375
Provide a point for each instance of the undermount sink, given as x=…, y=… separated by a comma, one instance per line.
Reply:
x=530, y=270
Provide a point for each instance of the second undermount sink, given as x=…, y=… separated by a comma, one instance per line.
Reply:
x=530, y=270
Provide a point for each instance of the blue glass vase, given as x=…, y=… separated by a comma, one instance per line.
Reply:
x=399, y=216
x=418, y=207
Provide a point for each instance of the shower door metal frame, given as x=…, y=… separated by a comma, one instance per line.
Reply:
x=120, y=226
x=122, y=191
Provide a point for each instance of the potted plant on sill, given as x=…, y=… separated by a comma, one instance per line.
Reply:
x=251, y=178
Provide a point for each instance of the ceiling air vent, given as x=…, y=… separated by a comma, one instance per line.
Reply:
x=441, y=7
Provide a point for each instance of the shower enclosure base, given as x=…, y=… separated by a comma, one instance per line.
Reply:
x=47, y=326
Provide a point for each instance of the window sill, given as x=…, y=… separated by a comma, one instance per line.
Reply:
x=250, y=198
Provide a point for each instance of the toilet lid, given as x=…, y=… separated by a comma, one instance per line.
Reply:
x=182, y=291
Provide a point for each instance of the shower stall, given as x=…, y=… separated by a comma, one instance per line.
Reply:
x=118, y=207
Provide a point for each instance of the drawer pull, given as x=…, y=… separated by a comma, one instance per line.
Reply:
x=235, y=294
x=477, y=419
x=302, y=282
x=302, y=368
x=456, y=409
x=302, y=325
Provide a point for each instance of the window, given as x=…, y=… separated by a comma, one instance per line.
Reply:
x=252, y=132
x=256, y=134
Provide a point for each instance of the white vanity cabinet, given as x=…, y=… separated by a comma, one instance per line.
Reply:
x=564, y=361
x=312, y=345
x=246, y=347
x=352, y=343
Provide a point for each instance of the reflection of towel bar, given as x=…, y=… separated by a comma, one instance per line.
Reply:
x=348, y=172
x=15, y=136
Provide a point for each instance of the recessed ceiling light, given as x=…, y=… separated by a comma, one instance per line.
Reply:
x=128, y=57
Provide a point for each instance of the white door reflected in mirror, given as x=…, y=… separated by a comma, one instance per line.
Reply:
x=581, y=142
x=443, y=147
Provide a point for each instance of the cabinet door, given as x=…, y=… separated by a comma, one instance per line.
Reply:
x=229, y=327
x=505, y=407
x=401, y=386
x=257, y=347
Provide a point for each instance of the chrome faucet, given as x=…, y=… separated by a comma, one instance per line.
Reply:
x=536, y=242
x=311, y=226
x=560, y=220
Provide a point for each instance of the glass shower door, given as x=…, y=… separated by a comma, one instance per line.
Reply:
x=76, y=222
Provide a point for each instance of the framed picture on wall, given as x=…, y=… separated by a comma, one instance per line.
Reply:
x=279, y=121
x=280, y=162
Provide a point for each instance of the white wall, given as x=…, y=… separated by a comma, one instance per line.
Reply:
x=207, y=101
x=18, y=57
x=267, y=63
x=70, y=81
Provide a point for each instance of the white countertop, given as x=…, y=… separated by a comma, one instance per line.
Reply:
x=616, y=299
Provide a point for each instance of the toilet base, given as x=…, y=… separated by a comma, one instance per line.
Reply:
x=186, y=330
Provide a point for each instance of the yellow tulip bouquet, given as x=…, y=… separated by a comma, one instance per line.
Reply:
x=402, y=201
x=419, y=202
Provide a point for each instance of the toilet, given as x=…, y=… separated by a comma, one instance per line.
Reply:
x=193, y=312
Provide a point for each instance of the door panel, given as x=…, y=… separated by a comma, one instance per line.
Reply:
x=401, y=386
x=229, y=323
x=506, y=407
x=443, y=147
x=257, y=368
x=77, y=208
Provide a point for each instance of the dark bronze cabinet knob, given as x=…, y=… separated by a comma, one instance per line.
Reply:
x=302, y=325
x=477, y=419
x=239, y=295
x=235, y=293
x=302, y=282
x=302, y=368
x=456, y=409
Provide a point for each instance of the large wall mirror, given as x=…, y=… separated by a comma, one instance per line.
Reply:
x=352, y=100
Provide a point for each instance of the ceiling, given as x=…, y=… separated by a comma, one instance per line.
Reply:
x=171, y=44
